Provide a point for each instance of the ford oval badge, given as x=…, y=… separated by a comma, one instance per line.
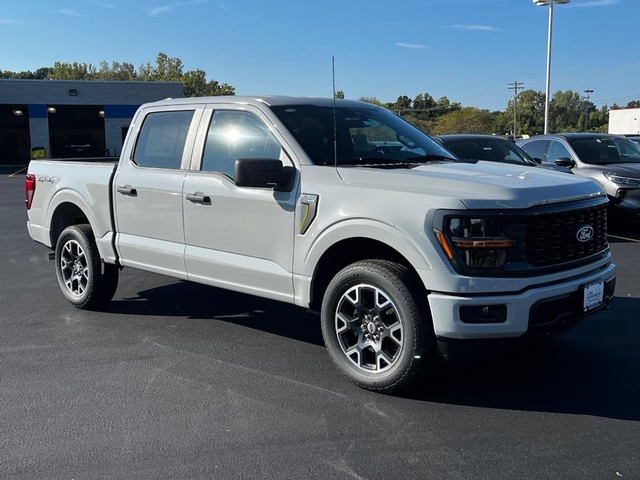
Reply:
x=585, y=233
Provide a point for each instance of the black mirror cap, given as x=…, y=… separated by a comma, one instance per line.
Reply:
x=262, y=173
x=565, y=162
x=538, y=160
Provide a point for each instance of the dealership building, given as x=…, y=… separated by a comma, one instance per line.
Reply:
x=63, y=118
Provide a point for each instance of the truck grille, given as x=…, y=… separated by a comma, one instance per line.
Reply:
x=551, y=239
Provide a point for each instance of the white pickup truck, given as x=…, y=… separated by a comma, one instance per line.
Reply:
x=336, y=206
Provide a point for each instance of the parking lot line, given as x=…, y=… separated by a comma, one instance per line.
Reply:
x=635, y=240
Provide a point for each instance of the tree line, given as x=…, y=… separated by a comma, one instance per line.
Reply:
x=569, y=111
x=165, y=69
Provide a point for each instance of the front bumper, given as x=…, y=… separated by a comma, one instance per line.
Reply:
x=537, y=310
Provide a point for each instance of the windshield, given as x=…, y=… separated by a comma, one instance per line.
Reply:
x=489, y=149
x=366, y=136
x=604, y=151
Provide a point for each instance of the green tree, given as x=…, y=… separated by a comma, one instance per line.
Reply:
x=166, y=69
x=566, y=111
x=424, y=101
x=195, y=84
x=340, y=94
x=39, y=74
x=530, y=114
x=465, y=120
x=116, y=71
x=402, y=103
x=599, y=120
x=372, y=100
x=72, y=71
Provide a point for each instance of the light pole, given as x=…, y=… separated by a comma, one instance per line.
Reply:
x=549, y=3
x=586, y=110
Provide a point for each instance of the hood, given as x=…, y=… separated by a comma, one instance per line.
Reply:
x=479, y=185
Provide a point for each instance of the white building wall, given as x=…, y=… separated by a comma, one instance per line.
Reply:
x=625, y=121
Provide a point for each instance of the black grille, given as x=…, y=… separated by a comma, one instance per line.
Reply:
x=551, y=239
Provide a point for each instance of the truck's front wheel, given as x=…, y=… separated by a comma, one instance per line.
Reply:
x=78, y=269
x=376, y=326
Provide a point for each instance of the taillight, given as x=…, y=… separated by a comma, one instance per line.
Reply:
x=29, y=189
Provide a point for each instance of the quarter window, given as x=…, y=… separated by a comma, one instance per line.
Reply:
x=233, y=135
x=162, y=139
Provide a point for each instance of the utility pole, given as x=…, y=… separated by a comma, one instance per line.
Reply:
x=586, y=109
x=515, y=86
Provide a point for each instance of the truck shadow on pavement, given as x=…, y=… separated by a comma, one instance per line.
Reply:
x=195, y=301
x=592, y=370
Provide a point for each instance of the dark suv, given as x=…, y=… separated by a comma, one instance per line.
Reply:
x=491, y=148
x=612, y=161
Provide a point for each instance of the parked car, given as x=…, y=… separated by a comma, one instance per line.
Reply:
x=634, y=138
x=490, y=148
x=612, y=161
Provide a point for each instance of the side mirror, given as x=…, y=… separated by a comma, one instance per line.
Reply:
x=262, y=173
x=565, y=162
x=538, y=160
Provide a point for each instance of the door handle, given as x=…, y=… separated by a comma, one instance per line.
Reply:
x=128, y=190
x=198, y=198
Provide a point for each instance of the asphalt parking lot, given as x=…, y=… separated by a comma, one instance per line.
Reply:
x=177, y=380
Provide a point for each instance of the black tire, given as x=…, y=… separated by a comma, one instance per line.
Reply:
x=376, y=325
x=79, y=272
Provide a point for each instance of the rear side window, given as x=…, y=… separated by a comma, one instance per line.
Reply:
x=162, y=139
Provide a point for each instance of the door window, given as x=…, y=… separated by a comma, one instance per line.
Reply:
x=233, y=135
x=162, y=139
x=557, y=150
x=536, y=149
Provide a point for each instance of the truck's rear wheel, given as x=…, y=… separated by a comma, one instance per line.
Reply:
x=78, y=269
x=375, y=326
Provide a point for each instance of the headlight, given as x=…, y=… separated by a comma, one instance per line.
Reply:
x=620, y=180
x=479, y=242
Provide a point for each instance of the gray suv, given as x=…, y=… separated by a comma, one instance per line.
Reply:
x=612, y=161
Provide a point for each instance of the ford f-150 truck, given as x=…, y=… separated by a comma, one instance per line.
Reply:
x=340, y=207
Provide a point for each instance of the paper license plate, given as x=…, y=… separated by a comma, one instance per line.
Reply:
x=593, y=295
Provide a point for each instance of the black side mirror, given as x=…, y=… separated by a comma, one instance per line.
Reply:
x=565, y=162
x=262, y=173
x=538, y=160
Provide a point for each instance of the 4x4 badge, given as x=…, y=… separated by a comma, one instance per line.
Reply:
x=585, y=233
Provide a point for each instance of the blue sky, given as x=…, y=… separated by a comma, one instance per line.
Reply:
x=466, y=50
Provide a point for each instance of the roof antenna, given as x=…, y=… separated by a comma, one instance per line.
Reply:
x=335, y=128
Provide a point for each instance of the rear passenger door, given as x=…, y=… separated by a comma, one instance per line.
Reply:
x=238, y=237
x=147, y=190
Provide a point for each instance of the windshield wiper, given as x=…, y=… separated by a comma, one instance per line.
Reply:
x=432, y=158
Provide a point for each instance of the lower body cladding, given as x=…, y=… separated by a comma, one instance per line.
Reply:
x=471, y=326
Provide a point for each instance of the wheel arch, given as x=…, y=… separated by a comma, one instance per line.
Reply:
x=68, y=208
x=66, y=214
x=346, y=252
